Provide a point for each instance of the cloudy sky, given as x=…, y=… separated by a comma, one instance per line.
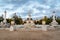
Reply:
x=38, y=8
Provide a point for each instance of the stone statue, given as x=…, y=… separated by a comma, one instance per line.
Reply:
x=29, y=22
x=54, y=21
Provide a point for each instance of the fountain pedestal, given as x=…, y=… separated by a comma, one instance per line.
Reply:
x=44, y=27
x=29, y=25
x=12, y=26
x=54, y=23
x=29, y=22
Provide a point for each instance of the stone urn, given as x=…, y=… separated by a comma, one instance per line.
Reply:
x=12, y=22
x=43, y=22
x=12, y=26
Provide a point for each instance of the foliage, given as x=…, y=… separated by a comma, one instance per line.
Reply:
x=1, y=19
x=18, y=20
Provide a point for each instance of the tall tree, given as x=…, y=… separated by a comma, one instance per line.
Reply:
x=1, y=18
x=18, y=20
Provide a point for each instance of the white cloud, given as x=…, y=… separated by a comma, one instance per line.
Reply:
x=35, y=11
x=9, y=6
x=43, y=11
x=57, y=7
x=20, y=10
x=36, y=4
x=31, y=5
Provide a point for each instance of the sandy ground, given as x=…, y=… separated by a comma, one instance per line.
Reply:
x=29, y=35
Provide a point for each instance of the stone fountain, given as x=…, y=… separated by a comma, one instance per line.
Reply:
x=29, y=22
x=53, y=23
x=4, y=22
x=5, y=17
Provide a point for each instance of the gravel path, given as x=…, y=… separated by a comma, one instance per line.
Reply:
x=29, y=35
